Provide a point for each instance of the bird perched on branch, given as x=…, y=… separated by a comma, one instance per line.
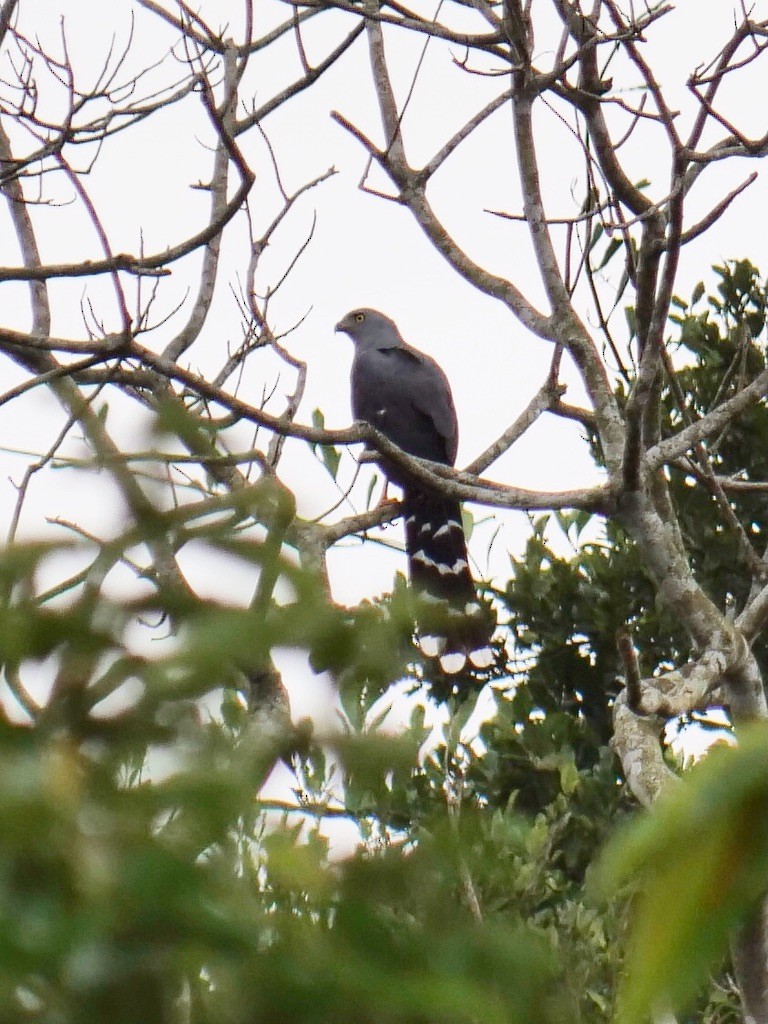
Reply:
x=405, y=394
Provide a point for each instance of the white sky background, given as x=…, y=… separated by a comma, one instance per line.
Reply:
x=365, y=251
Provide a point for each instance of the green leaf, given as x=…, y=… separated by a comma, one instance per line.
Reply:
x=631, y=318
x=569, y=778
x=330, y=456
x=467, y=521
x=597, y=234
x=371, y=484
x=699, y=862
x=611, y=249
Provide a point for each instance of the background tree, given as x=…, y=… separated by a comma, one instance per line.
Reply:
x=141, y=876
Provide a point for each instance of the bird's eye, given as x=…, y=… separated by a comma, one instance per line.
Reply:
x=359, y=317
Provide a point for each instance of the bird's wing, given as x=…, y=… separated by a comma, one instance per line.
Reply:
x=432, y=396
x=406, y=395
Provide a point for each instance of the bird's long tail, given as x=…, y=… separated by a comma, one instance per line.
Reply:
x=439, y=570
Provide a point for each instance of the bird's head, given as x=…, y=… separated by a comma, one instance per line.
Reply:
x=369, y=328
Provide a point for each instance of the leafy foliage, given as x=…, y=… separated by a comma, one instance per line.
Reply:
x=565, y=613
x=720, y=341
x=143, y=877
x=705, y=846
x=139, y=878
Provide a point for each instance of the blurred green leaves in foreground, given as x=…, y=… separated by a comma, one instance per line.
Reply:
x=141, y=879
x=502, y=873
x=699, y=865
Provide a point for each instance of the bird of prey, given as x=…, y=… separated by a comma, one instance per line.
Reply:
x=405, y=394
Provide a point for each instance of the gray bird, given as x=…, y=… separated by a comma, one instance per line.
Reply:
x=405, y=394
